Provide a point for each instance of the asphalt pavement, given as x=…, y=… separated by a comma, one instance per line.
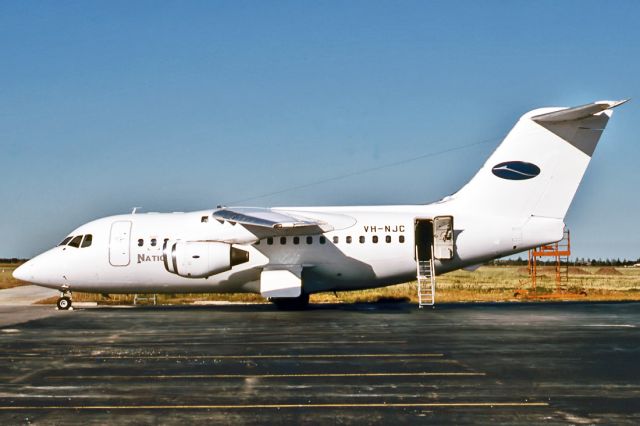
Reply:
x=552, y=363
x=25, y=295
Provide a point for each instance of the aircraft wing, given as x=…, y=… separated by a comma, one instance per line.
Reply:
x=272, y=222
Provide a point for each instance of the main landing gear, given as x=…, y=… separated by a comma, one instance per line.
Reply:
x=291, y=303
x=64, y=301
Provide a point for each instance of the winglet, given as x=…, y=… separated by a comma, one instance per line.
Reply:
x=577, y=113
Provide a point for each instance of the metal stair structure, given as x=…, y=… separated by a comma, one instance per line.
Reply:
x=137, y=298
x=560, y=251
x=426, y=282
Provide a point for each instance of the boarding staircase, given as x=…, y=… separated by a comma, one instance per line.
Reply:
x=426, y=282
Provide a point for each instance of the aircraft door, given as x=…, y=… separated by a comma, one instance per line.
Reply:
x=443, y=237
x=423, y=239
x=119, y=243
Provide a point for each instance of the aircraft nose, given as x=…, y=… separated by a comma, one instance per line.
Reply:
x=44, y=269
x=24, y=272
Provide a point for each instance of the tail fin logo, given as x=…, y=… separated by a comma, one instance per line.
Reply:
x=516, y=170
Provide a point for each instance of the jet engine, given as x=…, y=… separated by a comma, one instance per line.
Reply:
x=201, y=259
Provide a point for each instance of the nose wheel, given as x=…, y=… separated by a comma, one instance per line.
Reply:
x=64, y=301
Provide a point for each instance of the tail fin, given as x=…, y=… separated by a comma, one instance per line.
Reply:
x=536, y=170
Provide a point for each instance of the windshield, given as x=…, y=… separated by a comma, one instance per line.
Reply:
x=65, y=241
x=81, y=241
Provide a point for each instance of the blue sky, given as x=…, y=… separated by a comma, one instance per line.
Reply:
x=177, y=106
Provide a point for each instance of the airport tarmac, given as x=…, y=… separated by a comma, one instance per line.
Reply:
x=25, y=295
x=575, y=363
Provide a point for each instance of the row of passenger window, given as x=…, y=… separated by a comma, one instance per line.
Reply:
x=283, y=240
x=336, y=239
x=153, y=241
x=77, y=241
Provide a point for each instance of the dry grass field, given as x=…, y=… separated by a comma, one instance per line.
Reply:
x=487, y=284
x=6, y=279
x=510, y=283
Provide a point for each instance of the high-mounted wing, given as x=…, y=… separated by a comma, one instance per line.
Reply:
x=267, y=218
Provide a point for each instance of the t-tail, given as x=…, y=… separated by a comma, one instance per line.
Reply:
x=536, y=170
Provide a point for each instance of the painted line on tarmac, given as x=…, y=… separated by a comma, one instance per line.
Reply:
x=270, y=376
x=249, y=356
x=279, y=406
x=121, y=343
x=222, y=343
x=283, y=356
x=609, y=325
x=207, y=333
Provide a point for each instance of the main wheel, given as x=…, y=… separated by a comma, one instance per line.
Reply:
x=291, y=303
x=64, y=303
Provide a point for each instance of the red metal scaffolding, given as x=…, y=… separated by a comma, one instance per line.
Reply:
x=561, y=252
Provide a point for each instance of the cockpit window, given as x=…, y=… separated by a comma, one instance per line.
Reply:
x=75, y=242
x=86, y=242
x=65, y=241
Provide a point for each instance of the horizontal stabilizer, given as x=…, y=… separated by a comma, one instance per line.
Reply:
x=577, y=113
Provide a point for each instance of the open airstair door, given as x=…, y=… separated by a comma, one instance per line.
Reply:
x=425, y=272
x=424, y=239
x=434, y=240
x=443, y=237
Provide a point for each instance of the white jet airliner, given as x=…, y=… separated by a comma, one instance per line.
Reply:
x=516, y=201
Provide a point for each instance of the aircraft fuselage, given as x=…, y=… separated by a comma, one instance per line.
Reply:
x=376, y=247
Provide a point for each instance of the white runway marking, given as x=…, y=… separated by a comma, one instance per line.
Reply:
x=610, y=325
x=278, y=406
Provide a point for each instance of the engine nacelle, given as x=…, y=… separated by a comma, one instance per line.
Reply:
x=201, y=259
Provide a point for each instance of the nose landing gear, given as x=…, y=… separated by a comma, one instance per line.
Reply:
x=64, y=301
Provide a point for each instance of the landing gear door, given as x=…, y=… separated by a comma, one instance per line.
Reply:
x=443, y=237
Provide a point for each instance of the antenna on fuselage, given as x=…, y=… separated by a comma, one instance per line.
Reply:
x=135, y=209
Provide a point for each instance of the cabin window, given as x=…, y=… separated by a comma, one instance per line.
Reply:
x=65, y=241
x=401, y=238
x=270, y=241
x=296, y=240
x=204, y=219
x=283, y=240
x=309, y=239
x=388, y=238
x=349, y=239
x=374, y=238
x=86, y=242
x=336, y=239
x=322, y=239
x=140, y=242
x=361, y=239
x=75, y=242
x=154, y=242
